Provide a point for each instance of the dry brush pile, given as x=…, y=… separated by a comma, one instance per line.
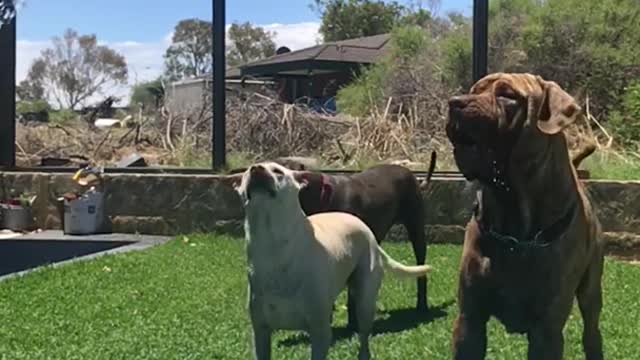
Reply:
x=258, y=127
x=405, y=130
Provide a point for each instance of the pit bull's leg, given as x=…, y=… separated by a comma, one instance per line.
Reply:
x=545, y=344
x=261, y=331
x=470, y=337
x=261, y=341
x=320, y=340
x=352, y=318
x=415, y=230
x=546, y=341
x=366, y=292
x=589, y=296
x=413, y=220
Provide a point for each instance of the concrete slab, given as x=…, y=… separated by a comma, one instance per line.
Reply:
x=58, y=235
x=51, y=248
x=8, y=234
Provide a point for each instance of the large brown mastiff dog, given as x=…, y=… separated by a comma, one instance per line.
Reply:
x=533, y=241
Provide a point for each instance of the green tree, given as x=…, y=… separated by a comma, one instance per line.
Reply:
x=191, y=51
x=505, y=50
x=347, y=19
x=28, y=90
x=249, y=43
x=417, y=16
x=588, y=46
x=147, y=95
x=74, y=69
x=456, y=60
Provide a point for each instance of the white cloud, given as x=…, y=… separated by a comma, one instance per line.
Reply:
x=295, y=36
x=26, y=52
x=145, y=59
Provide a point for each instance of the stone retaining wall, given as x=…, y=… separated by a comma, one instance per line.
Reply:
x=174, y=204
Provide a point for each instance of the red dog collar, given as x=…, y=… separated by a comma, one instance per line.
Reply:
x=326, y=189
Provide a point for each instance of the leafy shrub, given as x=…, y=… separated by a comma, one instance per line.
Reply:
x=63, y=117
x=368, y=89
x=147, y=95
x=37, y=106
x=364, y=93
x=457, y=60
x=626, y=122
x=407, y=42
x=36, y=110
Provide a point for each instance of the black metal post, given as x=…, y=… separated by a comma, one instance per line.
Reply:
x=8, y=94
x=219, y=122
x=480, y=38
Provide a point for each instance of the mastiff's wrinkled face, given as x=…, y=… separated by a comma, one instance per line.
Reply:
x=506, y=119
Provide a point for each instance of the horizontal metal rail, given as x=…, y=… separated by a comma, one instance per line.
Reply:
x=205, y=171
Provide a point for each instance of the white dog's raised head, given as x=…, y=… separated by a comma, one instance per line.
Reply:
x=269, y=181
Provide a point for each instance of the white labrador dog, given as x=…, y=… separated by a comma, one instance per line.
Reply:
x=298, y=265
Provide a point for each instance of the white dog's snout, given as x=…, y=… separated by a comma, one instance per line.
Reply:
x=258, y=171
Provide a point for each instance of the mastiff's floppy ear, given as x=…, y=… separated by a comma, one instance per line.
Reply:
x=558, y=109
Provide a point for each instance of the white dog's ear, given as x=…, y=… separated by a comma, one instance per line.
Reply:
x=234, y=181
x=557, y=110
x=241, y=190
x=300, y=178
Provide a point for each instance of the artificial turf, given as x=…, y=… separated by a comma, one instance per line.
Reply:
x=186, y=300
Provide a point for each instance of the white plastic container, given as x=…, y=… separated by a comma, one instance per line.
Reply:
x=83, y=216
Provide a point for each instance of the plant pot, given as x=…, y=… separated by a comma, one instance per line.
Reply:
x=16, y=217
x=83, y=215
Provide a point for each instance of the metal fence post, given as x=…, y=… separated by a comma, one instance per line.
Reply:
x=8, y=94
x=480, y=38
x=219, y=120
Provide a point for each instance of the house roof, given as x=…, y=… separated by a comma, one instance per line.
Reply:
x=330, y=57
x=327, y=57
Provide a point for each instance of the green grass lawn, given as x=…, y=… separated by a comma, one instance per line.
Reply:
x=186, y=300
x=610, y=166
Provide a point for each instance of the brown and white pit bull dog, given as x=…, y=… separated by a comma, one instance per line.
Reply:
x=533, y=242
x=299, y=264
x=381, y=197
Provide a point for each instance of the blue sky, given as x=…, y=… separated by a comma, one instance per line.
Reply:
x=149, y=20
x=141, y=29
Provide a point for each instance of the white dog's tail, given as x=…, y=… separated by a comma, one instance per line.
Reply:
x=401, y=270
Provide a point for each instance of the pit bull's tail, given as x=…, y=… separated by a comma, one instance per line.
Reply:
x=432, y=167
x=584, y=153
x=401, y=270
